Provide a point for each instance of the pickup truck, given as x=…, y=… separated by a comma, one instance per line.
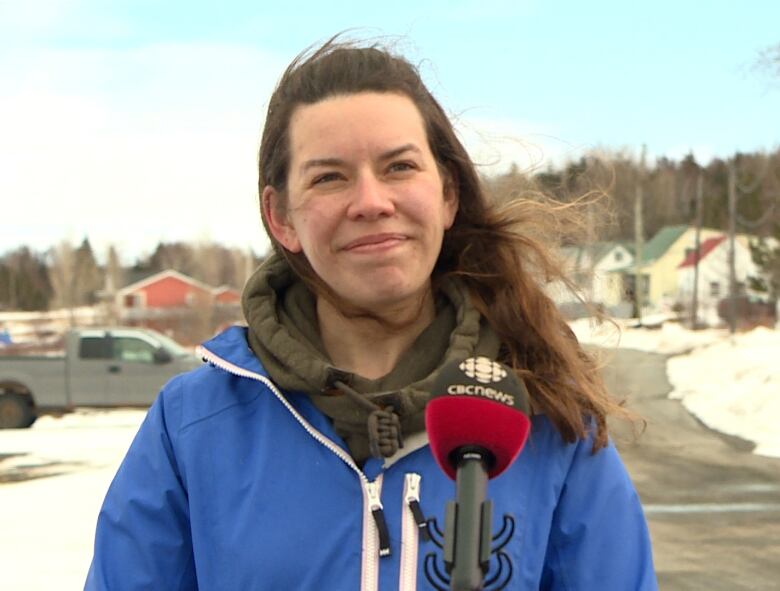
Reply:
x=99, y=367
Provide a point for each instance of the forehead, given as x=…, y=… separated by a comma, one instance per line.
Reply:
x=348, y=124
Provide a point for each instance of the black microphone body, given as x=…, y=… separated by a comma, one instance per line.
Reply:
x=468, y=538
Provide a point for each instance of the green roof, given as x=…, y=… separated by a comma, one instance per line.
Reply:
x=661, y=242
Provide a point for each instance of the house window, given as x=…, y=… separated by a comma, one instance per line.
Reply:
x=133, y=300
x=618, y=256
x=714, y=289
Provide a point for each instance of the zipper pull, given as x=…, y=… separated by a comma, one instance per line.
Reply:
x=413, y=500
x=375, y=504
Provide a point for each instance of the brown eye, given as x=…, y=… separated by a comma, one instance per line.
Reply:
x=402, y=166
x=326, y=178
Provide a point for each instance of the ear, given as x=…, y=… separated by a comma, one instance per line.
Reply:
x=451, y=200
x=279, y=222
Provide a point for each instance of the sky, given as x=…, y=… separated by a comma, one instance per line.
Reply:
x=131, y=122
x=730, y=386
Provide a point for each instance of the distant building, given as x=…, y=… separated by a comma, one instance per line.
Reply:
x=163, y=290
x=599, y=271
x=661, y=255
x=713, y=277
x=226, y=295
x=179, y=305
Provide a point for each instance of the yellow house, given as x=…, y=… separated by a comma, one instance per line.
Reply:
x=661, y=256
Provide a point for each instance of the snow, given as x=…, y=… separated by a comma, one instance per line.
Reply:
x=47, y=522
x=732, y=384
x=24, y=327
x=668, y=338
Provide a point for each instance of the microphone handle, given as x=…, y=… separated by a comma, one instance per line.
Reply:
x=471, y=488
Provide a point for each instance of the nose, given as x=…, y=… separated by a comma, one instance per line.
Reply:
x=372, y=199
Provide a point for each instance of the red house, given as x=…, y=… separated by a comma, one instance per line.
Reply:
x=226, y=295
x=178, y=305
x=167, y=289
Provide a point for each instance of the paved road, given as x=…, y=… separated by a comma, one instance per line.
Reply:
x=712, y=506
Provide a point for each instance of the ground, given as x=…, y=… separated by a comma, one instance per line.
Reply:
x=713, y=507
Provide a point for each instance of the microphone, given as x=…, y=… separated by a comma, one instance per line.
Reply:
x=477, y=423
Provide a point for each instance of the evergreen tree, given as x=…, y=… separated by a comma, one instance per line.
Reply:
x=24, y=281
x=766, y=255
x=178, y=256
x=89, y=279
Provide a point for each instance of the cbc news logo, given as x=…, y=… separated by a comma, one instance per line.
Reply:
x=482, y=369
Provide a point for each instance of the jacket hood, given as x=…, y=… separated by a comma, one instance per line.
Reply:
x=283, y=333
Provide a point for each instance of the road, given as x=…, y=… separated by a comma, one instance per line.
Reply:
x=713, y=507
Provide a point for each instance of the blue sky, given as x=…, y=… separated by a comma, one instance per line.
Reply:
x=136, y=121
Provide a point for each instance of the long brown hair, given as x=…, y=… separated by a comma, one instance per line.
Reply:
x=499, y=251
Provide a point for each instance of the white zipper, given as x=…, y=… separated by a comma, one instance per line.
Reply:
x=369, y=574
x=410, y=531
x=369, y=578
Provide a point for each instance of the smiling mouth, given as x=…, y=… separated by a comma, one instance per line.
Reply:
x=376, y=242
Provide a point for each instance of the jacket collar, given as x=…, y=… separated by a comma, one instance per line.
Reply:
x=232, y=346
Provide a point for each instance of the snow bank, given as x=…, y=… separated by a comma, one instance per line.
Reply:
x=733, y=386
x=669, y=338
x=48, y=523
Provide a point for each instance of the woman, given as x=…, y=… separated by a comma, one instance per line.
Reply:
x=297, y=458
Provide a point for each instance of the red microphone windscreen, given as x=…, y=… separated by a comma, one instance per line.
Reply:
x=477, y=402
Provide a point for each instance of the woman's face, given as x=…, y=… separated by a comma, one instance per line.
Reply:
x=366, y=201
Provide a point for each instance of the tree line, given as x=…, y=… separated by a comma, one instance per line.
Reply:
x=669, y=189
x=68, y=276
x=65, y=276
x=608, y=183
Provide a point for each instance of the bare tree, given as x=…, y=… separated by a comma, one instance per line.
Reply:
x=113, y=281
x=210, y=263
x=768, y=61
x=243, y=265
x=63, y=275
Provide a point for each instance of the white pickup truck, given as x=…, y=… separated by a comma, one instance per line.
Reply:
x=100, y=367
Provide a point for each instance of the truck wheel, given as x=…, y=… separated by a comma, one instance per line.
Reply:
x=16, y=411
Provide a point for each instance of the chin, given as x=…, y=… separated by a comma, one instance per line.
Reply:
x=389, y=297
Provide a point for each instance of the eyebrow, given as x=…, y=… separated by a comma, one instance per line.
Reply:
x=316, y=162
x=398, y=151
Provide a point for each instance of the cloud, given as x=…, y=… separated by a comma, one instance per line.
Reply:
x=32, y=17
x=134, y=146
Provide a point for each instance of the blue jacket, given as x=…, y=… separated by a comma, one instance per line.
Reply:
x=231, y=484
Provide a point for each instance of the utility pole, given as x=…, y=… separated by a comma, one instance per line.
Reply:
x=697, y=249
x=639, y=237
x=732, y=307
